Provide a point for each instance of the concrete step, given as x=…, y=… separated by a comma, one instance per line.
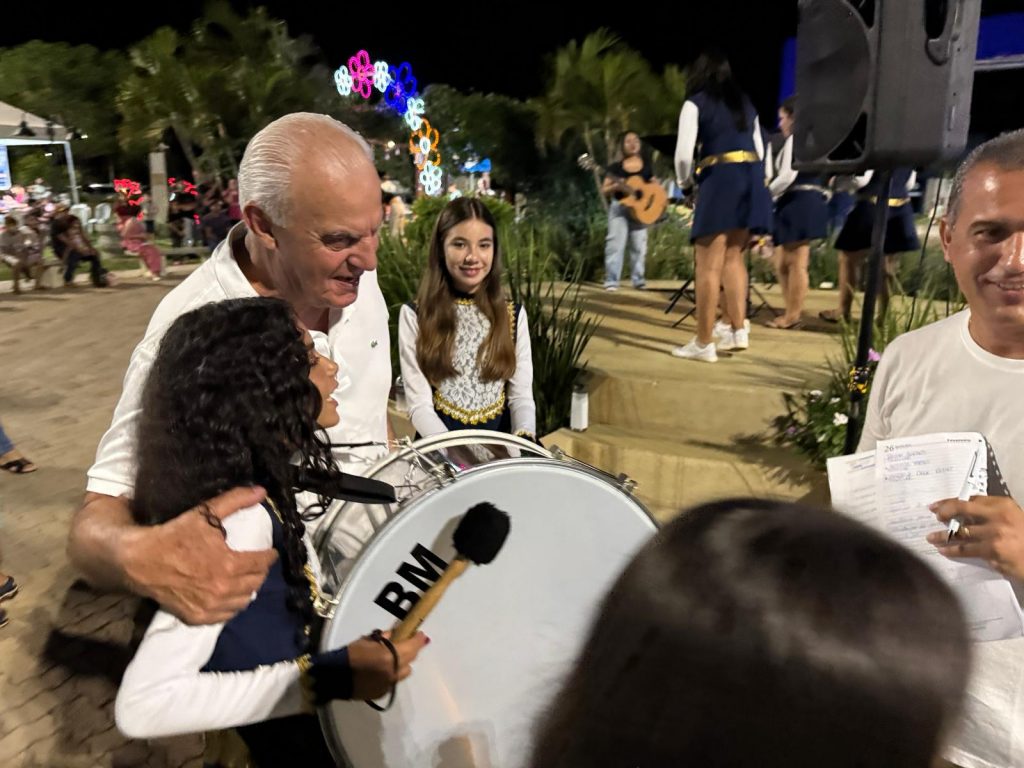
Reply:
x=675, y=470
x=712, y=410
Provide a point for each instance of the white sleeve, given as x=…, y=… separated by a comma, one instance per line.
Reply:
x=758, y=140
x=521, y=405
x=419, y=397
x=861, y=180
x=164, y=693
x=911, y=182
x=113, y=471
x=686, y=142
x=785, y=175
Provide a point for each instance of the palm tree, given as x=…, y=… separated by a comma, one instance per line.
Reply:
x=218, y=85
x=601, y=88
x=163, y=93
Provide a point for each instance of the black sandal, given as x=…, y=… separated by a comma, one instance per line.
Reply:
x=20, y=466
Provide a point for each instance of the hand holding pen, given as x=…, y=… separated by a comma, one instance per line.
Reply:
x=990, y=528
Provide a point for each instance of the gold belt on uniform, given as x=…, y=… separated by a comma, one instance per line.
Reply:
x=894, y=202
x=736, y=156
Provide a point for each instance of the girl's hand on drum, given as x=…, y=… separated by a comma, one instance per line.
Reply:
x=373, y=666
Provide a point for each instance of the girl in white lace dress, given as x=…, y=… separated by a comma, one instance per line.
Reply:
x=464, y=348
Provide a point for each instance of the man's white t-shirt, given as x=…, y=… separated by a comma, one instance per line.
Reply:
x=357, y=340
x=937, y=379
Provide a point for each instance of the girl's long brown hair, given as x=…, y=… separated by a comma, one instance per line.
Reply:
x=435, y=305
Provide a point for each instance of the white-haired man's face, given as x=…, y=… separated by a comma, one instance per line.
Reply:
x=330, y=239
x=985, y=246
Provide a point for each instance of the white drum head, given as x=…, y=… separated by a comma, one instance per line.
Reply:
x=505, y=633
x=411, y=470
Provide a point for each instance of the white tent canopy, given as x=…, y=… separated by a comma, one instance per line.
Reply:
x=45, y=133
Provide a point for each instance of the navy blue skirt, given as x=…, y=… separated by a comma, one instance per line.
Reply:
x=900, y=233
x=732, y=196
x=800, y=215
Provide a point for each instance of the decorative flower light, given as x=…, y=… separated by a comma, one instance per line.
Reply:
x=381, y=76
x=402, y=88
x=343, y=81
x=398, y=84
x=430, y=178
x=362, y=74
x=423, y=143
x=414, y=113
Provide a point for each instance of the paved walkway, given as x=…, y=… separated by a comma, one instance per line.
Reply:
x=62, y=357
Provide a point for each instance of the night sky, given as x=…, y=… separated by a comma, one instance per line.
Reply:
x=508, y=53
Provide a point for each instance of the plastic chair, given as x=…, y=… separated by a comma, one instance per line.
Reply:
x=101, y=215
x=83, y=212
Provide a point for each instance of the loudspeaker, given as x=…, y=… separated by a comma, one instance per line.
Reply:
x=881, y=83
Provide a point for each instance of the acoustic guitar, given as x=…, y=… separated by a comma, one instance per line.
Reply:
x=645, y=201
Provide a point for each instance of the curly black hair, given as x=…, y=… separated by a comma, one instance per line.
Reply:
x=228, y=402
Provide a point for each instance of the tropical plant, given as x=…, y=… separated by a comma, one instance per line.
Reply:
x=217, y=85
x=600, y=88
x=815, y=421
x=560, y=328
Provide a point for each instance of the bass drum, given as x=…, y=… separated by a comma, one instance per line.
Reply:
x=505, y=634
x=413, y=470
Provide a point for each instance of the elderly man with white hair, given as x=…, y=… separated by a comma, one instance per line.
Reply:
x=310, y=200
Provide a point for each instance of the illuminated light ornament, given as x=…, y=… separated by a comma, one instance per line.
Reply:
x=398, y=84
x=402, y=88
x=343, y=81
x=362, y=74
x=414, y=113
x=423, y=142
x=430, y=178
x=381, y=75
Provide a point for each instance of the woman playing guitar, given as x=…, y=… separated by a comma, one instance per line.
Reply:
x=623, y=227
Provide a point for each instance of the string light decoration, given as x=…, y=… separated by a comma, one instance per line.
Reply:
x=343, y=81
x=414, y=113
x=361, y=75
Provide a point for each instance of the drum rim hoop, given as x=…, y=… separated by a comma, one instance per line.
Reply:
x=428, y=444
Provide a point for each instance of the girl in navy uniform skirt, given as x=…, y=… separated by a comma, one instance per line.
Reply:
x=236, y=397
x=720, y=125
x=801, y=215
x=854, y=240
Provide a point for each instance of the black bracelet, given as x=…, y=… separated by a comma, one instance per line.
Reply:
x=379, y=637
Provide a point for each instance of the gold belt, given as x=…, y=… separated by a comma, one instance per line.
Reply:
x=736, y=156
x=894, y=202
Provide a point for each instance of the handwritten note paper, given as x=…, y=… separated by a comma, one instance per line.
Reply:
x=891, y=488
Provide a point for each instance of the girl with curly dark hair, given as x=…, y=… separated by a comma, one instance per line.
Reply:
x=236, y=396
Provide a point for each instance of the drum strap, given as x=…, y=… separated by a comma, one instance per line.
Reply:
x=379, y=637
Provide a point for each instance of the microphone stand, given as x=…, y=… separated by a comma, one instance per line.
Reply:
x=859, y=371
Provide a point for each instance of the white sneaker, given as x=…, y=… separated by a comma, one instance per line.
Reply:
x=722, y=329
x=736, y=340
x=697, y=351
x=611, y=287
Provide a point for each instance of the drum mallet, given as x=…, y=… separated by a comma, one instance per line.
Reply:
x=478, y=538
